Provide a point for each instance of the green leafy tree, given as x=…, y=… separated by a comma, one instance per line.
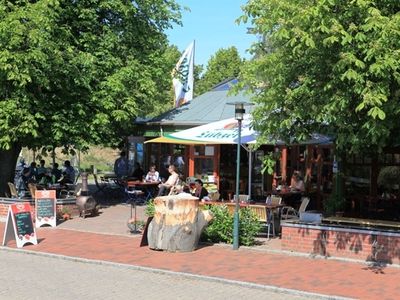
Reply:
x=225, y=64
x=326, y=65
x=78, y=72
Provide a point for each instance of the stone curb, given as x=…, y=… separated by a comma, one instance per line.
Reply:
x=187, y=275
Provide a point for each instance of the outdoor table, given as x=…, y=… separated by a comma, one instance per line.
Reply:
x=147, y=186
x=289, y=197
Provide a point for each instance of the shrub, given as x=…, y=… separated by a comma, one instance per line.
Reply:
x=249, y=227
x=221, y=227
x=149, y=210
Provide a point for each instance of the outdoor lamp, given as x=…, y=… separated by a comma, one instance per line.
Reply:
x=239, y=111
x=239, y=115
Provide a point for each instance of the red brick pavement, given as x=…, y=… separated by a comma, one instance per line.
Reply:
x=330, y=277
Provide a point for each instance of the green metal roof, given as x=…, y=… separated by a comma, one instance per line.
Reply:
x=209, y=107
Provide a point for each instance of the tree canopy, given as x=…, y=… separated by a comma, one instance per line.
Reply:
x=224, y=64
x=326, y=65
x=79, y=72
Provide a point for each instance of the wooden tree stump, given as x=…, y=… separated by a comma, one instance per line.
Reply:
x=177, y=224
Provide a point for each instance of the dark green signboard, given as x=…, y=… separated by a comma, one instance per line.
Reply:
x=24, y=224
x=45, y=208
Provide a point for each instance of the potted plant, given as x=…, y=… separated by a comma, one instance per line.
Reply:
x=135, y=225
x=65, y=213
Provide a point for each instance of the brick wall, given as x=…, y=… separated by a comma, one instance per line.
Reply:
x=365, y=245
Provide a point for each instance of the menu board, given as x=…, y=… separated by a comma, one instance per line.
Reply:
x=45, y=208
x=24, y=224
x=19, y=225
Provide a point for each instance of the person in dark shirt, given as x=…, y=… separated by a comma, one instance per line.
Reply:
x=199, y=190
x=56, y=172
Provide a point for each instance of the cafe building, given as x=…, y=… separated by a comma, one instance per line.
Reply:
x=368, y=227
x=217, y=162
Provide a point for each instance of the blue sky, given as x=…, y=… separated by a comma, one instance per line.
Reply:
x=211, y=23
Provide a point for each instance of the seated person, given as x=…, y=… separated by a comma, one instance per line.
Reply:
x=24, y=179
x=41, y=170
x=199, y=190
x=68, y=174
x=56, y=172
x=152, y=175
x=33, y=172
x=138, y=173
x=296, y=184
x=46, y=178
x=172, y=181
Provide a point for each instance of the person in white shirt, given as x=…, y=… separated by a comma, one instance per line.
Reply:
x=172, y=181
x=152, y=175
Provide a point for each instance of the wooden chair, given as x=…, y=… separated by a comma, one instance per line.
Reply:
x=266, y=219
x=214, y=196
x=13, y=190
x=32, y=189
x=276, y=200
x=242, y=198
x=231, y=208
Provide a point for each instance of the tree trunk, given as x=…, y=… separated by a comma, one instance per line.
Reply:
x=8, y=161
x=177, y=224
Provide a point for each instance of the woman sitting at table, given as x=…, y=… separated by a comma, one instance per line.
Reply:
x=173, y=179
x=296, y=184
x=152, y=175
x=199, y=190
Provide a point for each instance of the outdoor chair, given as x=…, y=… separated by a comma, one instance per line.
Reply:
x=108, y=189
x=13, y=190
x=71, y=191
x=265, y=218
x=289, y=212
x=214, y=196
x=231, y=208
x=242, y=198
x=32, y=189
x=276, y=200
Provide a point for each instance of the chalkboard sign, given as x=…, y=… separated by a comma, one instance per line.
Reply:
x=19, y=225
x=24, y=224
x=45, y=208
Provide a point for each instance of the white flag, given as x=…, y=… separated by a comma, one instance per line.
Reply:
x=183, y=77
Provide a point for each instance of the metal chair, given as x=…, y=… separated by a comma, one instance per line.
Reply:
x=73, y=190
x=289, y=212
